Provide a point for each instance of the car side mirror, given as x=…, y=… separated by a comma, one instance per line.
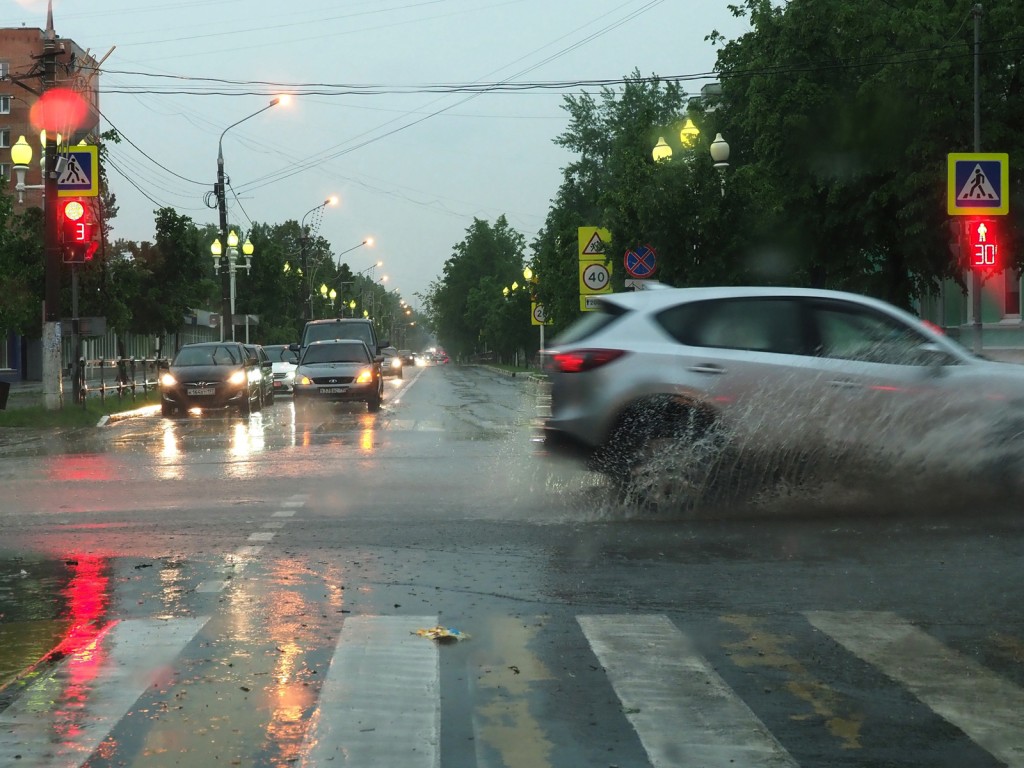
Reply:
x=164, y=365
x=293, y=347
x=378, y=359
x=254, y=361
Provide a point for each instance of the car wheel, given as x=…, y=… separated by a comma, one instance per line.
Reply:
x=258, y=403
x=270, y=398
x=167, y=410
x=373, y=404
x=245, y=407
x=662, y=455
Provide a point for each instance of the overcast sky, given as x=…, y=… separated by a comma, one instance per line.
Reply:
x=411, y=169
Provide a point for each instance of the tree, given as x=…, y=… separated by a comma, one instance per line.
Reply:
x=846, y=110
x=21, y=268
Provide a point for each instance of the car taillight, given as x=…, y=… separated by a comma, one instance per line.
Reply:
x=581, y=360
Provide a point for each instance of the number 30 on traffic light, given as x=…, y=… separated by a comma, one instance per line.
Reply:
x=982, y=244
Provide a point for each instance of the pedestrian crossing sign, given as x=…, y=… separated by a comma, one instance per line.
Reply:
x=978, y=183
x=80, y=172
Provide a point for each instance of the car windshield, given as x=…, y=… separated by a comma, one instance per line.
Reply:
x=351, y=352
x=209, y=355
x=326, y=331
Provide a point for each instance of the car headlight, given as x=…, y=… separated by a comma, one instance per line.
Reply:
x=365, y=376
x=396, y=363
x=167, y=380
x=304, y=380
x=238, y=377
x=255, y=375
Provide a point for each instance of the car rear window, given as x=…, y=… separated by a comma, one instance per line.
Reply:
x=336, y=353
x=589, y=324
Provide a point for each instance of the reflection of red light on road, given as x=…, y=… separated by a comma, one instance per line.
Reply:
x=82, y=646
x=81, y=467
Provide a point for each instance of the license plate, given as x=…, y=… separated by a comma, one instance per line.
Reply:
x=195, y=391
x=332, y=390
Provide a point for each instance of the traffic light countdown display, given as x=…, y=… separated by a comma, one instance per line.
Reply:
x=76, y=231
x=982, y=245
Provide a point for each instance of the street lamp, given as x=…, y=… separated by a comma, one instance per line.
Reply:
x=328, y=294
x=222, y=208
x=303, y=241
x=21, y=156
x=368, y=241
x=228, y=262
x=720, y=154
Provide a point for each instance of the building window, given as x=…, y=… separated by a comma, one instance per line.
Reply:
x=5, y=69
x=5, y=171
x=5, y=105
x=5, y=138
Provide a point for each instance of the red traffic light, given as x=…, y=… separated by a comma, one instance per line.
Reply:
x=982, y=244
x=76, y=231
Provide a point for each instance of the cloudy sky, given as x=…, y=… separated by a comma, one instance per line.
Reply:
x=379, y=122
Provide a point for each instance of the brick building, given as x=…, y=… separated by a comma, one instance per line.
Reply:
x=21, y=83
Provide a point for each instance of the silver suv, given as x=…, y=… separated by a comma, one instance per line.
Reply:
x=786, y=374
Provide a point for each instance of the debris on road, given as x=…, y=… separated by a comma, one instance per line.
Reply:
x=442, y=634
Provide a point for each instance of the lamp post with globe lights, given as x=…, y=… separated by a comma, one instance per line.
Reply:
x=303, y=244
x=229, y=261
x=219, y=190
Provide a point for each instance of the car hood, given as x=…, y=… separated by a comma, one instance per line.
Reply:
x=325, y=369
x=283, y=367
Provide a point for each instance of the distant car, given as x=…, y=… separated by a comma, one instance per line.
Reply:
x=786, y=372
x=392, y=364
x=266, y=373
x=340, y=328
x=211, y=375
x=283, y=362
x=407, y=357
x=337, y=372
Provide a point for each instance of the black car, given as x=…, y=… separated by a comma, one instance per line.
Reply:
x=266, y=372
x=337, y=372
x=211, y=375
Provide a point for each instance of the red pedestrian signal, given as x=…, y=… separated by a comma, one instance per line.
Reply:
x=982, y=244
x=76, y=231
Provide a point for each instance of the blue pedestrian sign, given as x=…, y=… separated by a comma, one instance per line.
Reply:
x=641, y=262
x=80, y=175
x=978, y=184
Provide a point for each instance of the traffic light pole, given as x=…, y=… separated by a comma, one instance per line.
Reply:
x=975, y=273
x=51, y=362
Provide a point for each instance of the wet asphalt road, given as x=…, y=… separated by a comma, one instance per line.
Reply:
x=226, y=591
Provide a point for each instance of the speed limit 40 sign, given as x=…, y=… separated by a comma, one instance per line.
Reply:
x=595, y=277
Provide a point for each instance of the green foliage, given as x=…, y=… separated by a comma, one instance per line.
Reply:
x=21, y=268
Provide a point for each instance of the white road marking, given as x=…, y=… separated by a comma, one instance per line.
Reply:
x=65, y=715
x=380, y=706
x=681, y=709
x=278, y=525
x=284, y=513
x=247, y=552
x=262, y=536
x=987, y=708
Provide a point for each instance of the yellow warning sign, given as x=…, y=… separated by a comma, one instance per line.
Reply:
x=593, y=242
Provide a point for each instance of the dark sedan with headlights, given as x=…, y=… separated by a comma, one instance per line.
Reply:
x=211, y=375
x=338, y=371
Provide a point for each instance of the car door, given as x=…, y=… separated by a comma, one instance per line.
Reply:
x=884, y=382
x=749, y=359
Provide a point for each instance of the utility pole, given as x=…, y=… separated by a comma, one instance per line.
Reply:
x=51, y=363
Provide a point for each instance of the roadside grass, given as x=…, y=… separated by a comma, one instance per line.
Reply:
x=35, y=416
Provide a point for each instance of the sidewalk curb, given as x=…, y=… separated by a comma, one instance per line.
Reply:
x=533, y=378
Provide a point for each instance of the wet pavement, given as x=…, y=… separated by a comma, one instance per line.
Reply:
x=220, y=590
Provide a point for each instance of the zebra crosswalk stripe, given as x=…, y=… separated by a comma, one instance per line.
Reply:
x=987, y=708
x=110, y=671
x=682, y=710
x=380, y=705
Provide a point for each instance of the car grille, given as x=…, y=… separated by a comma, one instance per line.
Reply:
x=280, y=375
x=327, y=380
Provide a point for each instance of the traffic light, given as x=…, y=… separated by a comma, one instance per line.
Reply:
x=78, y=244
x=982, y=244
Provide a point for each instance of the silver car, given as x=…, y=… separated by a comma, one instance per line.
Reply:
x=789, y=375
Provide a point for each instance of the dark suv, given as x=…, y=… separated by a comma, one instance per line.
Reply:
x=357, y=328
